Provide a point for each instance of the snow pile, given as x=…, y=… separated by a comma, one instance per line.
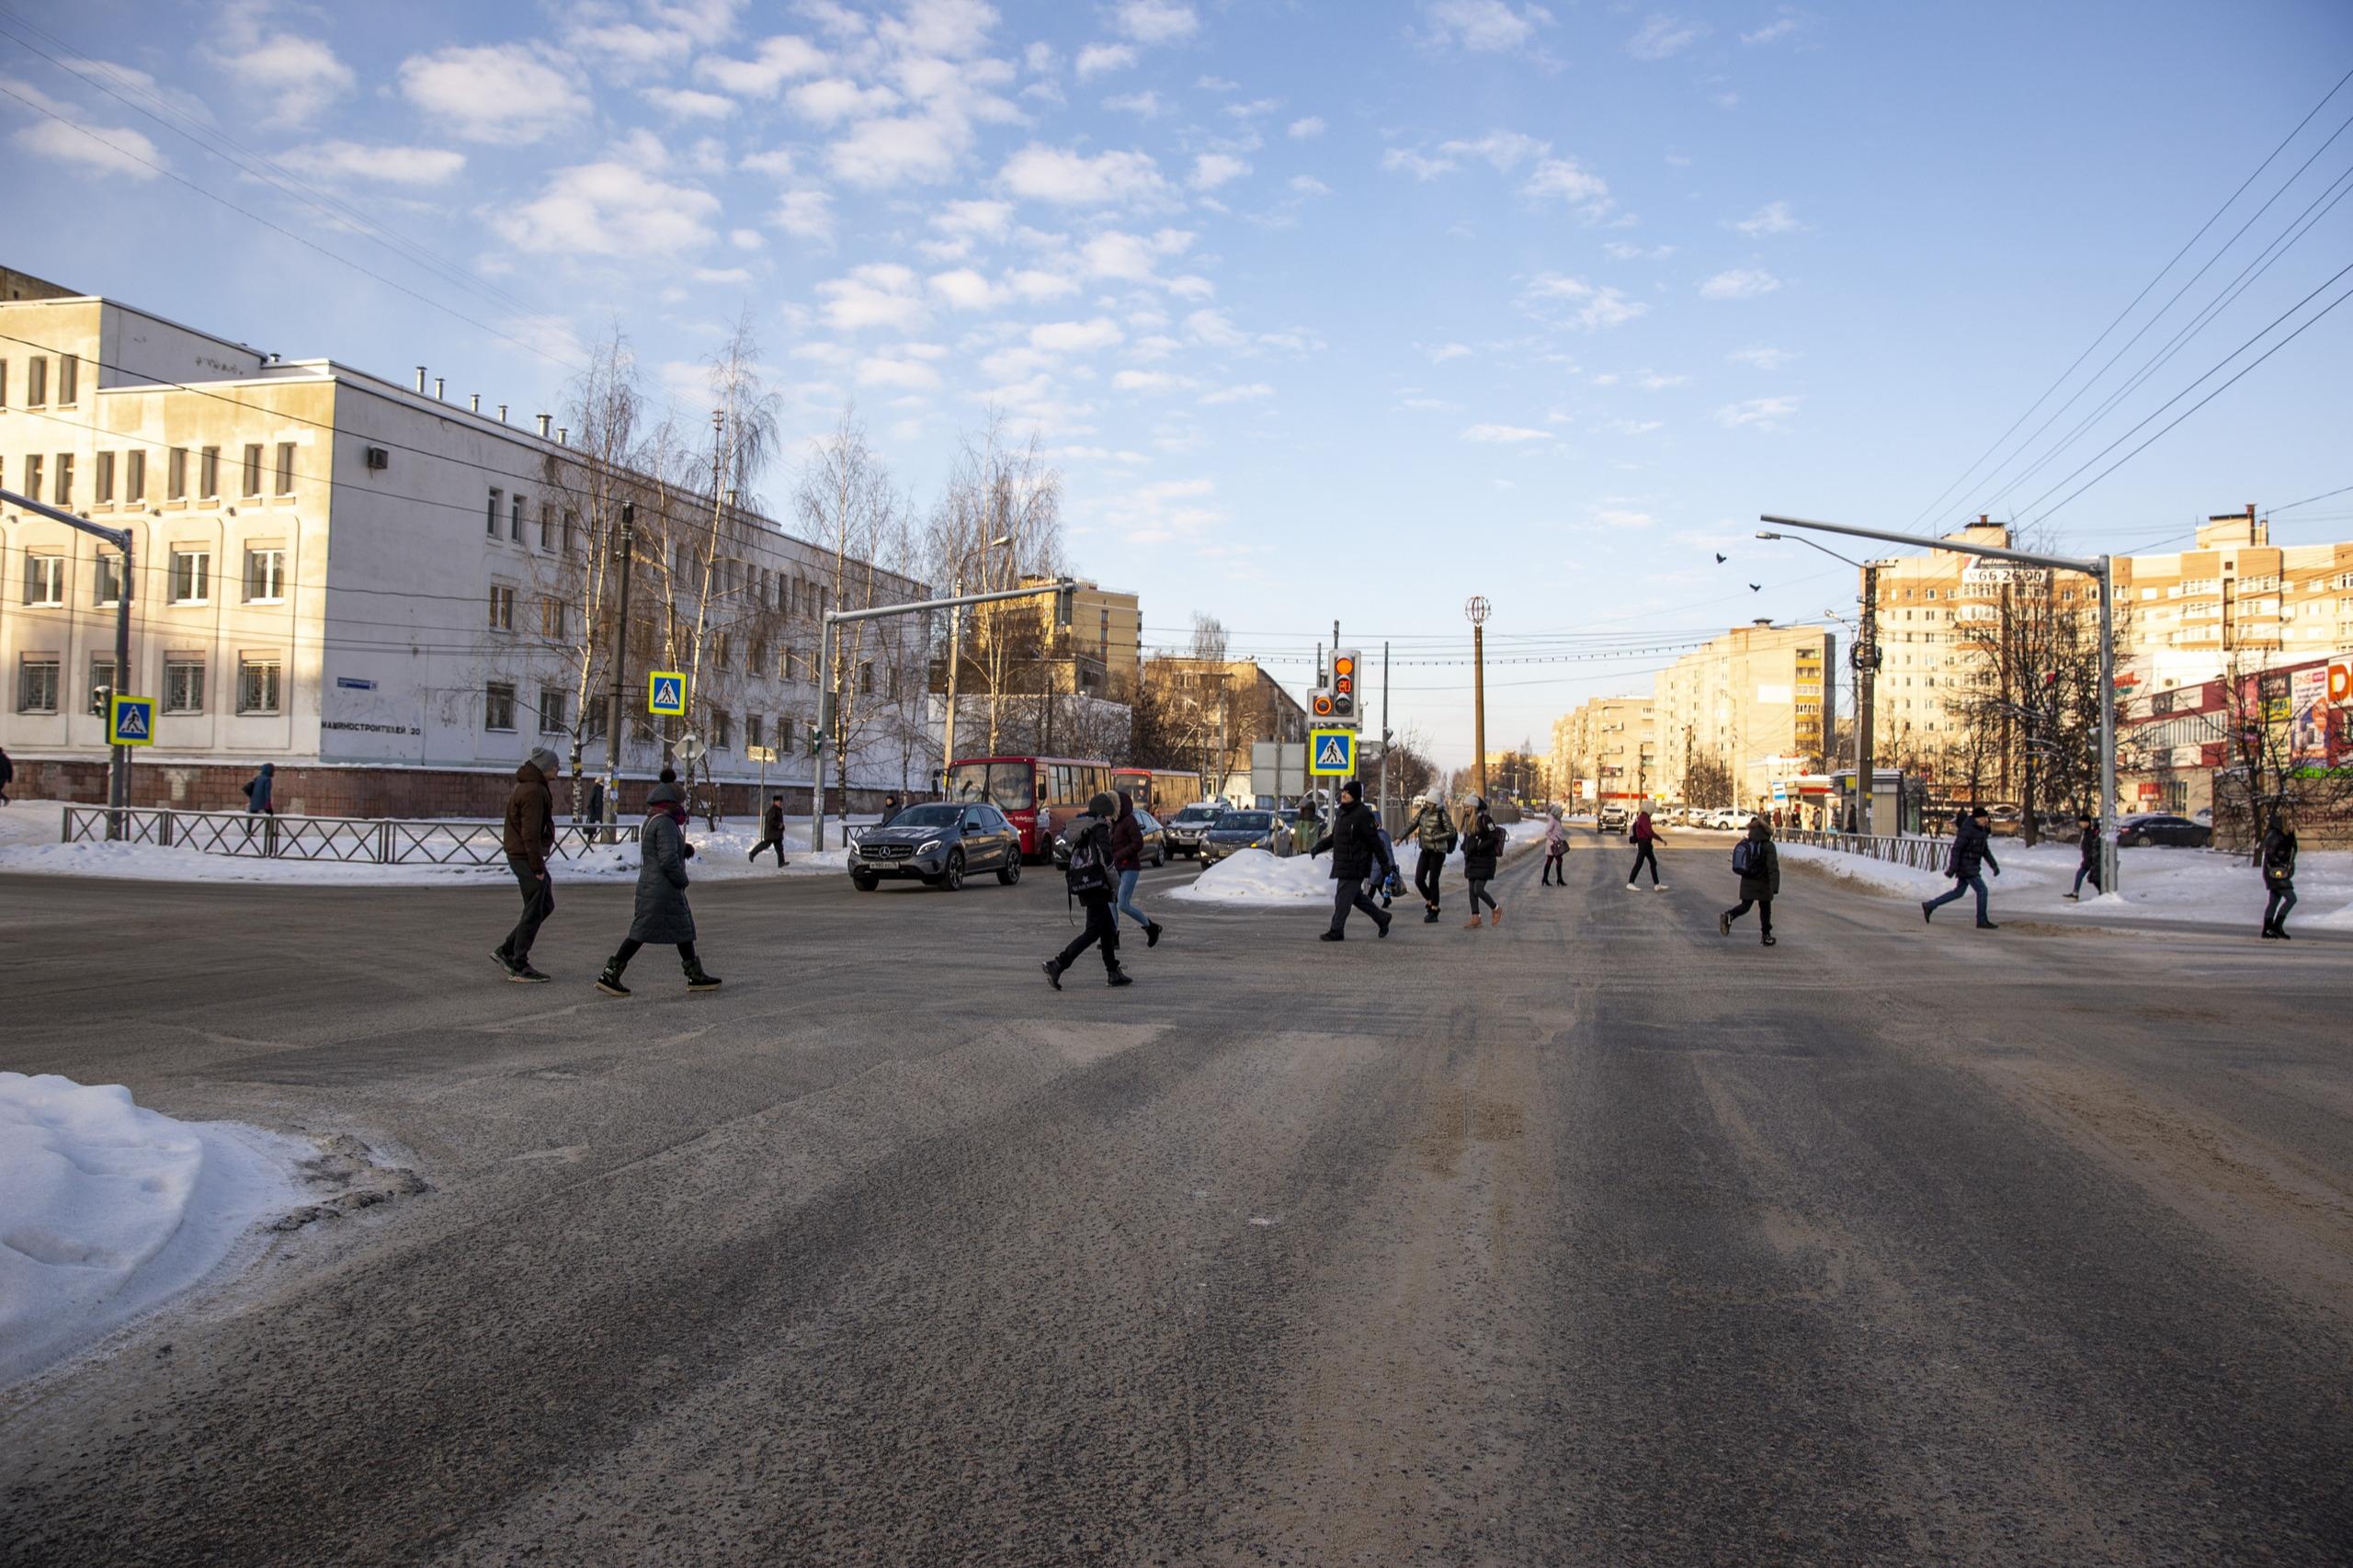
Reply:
x=106, y=1211
x=1254, y=877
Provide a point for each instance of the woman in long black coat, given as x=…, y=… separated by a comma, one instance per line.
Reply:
x=661, y=914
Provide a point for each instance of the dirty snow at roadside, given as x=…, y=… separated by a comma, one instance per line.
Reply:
x=1256, y=876
x=108, y=1210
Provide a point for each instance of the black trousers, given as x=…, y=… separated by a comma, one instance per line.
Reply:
x=630, y=947
x=2275, y=914
x=1425, y=875
x=1643, y=851
x=1348, y=893
x=1102, y=925
x=1553, y=868
x=538, y=902
x=1763, y=912
x=765, y=843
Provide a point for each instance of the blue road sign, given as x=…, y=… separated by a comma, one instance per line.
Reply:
x=665, y=692
x=1332, y=753
x=130, y=722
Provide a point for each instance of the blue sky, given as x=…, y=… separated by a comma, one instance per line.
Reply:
x=1326, y=311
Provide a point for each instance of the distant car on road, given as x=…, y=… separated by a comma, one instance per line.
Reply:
x=1155, y=842
x=1613, y=819
x=2158, y=827
x=1237, y=831
x=940, y=842
x=1184, y=829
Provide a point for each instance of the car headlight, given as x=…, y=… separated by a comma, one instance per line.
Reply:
x=928, y=848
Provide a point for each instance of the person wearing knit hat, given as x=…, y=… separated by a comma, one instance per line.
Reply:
x=661, y=913
x=529, y=835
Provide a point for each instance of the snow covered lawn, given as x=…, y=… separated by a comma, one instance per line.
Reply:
x=28, y=842
x=2159, y=884
x=1254, y=877
x=106, y=1211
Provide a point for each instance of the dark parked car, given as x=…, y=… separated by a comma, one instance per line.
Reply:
x=1155, y=843
x=1235, y=831
x=1184, y=829
x=940, y=844
x=2156, y=827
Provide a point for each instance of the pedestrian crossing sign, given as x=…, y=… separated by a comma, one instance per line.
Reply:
x=665, y=692
x=1332, y=753
x=130, y=722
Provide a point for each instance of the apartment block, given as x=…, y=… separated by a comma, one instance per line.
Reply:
x=1760, y=699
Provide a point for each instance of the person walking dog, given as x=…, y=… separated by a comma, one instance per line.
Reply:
x=772, y=830
x=1355, y=844
x=2279, y=874
x=1973, y=855
x=661, y=914
x=1759, y=866
x=1430, y=828
x=1090, y=880
x=530, y=833
x=1482, y=849
x=1127, y=864
x=1644, y=833
x=1557, y=847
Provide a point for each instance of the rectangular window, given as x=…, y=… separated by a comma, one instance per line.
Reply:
x=175, y=475
x=4, y=384
x=547, y=526
x=515, y=518
x=69, y=379
x=551, y=619
x=502, y=607
x=592, y=722
x=258, y=683
x=286, y=468
x=719, y=729
x=183, y=683
x=208, y=475
x=134, y=477
x=571, y=530
x=37, y=387
x=753, y=727
x=102, y=480
x=66, y=479
x=191, y=576
x=555, y=707
x=37, y=684
x=33, y=461
x=265, y=575
x=253, y=469
x=45, y=580
x=497, y=707
x=105, y=582
x=491, y=519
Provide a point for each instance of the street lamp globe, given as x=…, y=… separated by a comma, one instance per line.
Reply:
x=1476, y=607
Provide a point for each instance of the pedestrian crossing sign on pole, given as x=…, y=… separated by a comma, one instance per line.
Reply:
x=130, y=722
x=1332, y=753
x=665, y=692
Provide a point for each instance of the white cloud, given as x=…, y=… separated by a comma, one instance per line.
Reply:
x=776, y=61
x=292, y=78
x=630, y=44
x=1212, y=328
x=1305, y=130
x=1483, y=27
x=1501, y=148
x=1618, y=250
x=1633, y=427
x=1217, y=84
x=1760, y=413
x=1077, y=336
x=117, y=150
x=1590, y=305
x=1568, y=179
x=1739, y=283
x=1153, y=347
x=1446, y=351
x=829, y=100
x=1144, y=106
x=974, y=220
x=685, y=103
x=1618, y=517
x=774, y=162
x=1419, y=165
x=1651, y=381
x=1253, y=108
x=1773, y=218
x=1253, y=392
x=611, y=208
x=1190, y=286
x=965, y=290
x=877, y=153
x=1308, y=184
x=747, y=239
x=1663, y=36
x=880, y=293
x=1168, y=509
x=389, y=165
x=1040, y=59
x=1774, y=31
x=806, y=214
x=1762, y=357
x=1050, y=174
x=1144, y=381
x=1098, y=58
x=1504, y=435
x=1211, y=170
x=954, y=29
x=501, y=93
x=734, y=274
x=1131, y=257
x=1038, y=286
x=880, y=371
x=1155, y=21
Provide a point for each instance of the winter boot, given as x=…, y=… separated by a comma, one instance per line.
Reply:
x=1054, y=973
x=1429, y=917
x=698, y=981
x=1497, y=917
x=1769, y=938
x=1724, y=924
x=1928, y=912
x=1118, y=976
x=1473, y=923
x=610, y=982
x=1152, y=935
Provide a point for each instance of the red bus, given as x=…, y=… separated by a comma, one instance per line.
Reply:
x=1159, y=791
x=1038, y=794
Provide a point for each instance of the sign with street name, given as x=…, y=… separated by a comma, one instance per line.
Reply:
x=130, y=722
x=666, y=693
x=1332, y=753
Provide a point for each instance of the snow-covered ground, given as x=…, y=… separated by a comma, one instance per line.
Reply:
x=108, y=1210
x=1256, y=876
x=28, y=842
x=2159, y=884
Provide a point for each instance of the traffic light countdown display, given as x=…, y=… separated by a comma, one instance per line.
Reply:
x=1345, y=663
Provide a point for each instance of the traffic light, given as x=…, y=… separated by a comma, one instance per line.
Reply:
x=99, y=696
x=1343, y=686
x=1319, y=704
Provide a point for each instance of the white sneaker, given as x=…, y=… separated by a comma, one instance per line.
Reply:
x=1658, y=886
x=1629, y=887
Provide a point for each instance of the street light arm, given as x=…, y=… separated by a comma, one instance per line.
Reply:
x=1924, y=542
x=1767, y=533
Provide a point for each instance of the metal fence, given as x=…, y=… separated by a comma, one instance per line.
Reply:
x=1920, y=854
x=382, y=841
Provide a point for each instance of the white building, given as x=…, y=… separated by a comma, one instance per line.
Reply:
x=378, y=590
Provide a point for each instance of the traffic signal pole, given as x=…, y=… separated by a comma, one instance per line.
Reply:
x=118, y=758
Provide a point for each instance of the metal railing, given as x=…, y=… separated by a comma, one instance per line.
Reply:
x=382, y=841
x=1920, y=854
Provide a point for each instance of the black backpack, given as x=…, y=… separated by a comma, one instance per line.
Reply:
x=1748, y=857
x=1090, y=869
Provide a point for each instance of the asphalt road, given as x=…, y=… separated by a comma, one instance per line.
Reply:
x=1593, y=1238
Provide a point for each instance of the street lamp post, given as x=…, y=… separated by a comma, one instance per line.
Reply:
x=118, y=758
x=2102, y=570
x=1476, y=608
x=613, y=729
x=1866, y=660
x=956, y=654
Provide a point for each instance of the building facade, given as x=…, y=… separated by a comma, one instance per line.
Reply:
x=1607, y=749
x=1760, y=701
x=381, y=592
x=1214, y=711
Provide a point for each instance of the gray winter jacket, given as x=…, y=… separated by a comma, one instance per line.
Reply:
x=662, y=916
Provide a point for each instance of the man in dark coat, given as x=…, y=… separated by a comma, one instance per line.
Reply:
x=1973, y=855
x=1355, y=843
x=1090, y=881
x=529, y=835
x=660, y=914
x=891, y=807
x=2086, y=858
x=772, y=830
x=1760, y=881
x=2279, y=874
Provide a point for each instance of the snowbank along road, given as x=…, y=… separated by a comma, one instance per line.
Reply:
x=1594, y=1238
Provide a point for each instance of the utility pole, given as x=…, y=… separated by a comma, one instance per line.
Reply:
x=1476, y=608
x=118, y=758
x=1866, y=670
x=613, y=720
x=1384, y=730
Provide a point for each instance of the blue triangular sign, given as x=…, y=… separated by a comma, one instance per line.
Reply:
x=666, y=693
x=1334, y=752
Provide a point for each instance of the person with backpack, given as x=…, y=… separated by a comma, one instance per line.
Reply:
x=1759, y=866
x=1429, y=826
x=772, y=830
x=1973, y=855
x=1482, y=850
x=1556, y=848
x=527, y=837
x=2279, y=874
x=1644, y=833
x=1089, y=881
x=2087, y=856
x=257, y=791
x=1355, y=843
x=661, y=913
x=1383, y=882
x=1127, y=864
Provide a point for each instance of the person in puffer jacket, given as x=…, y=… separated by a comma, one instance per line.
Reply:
x=1482, y=850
